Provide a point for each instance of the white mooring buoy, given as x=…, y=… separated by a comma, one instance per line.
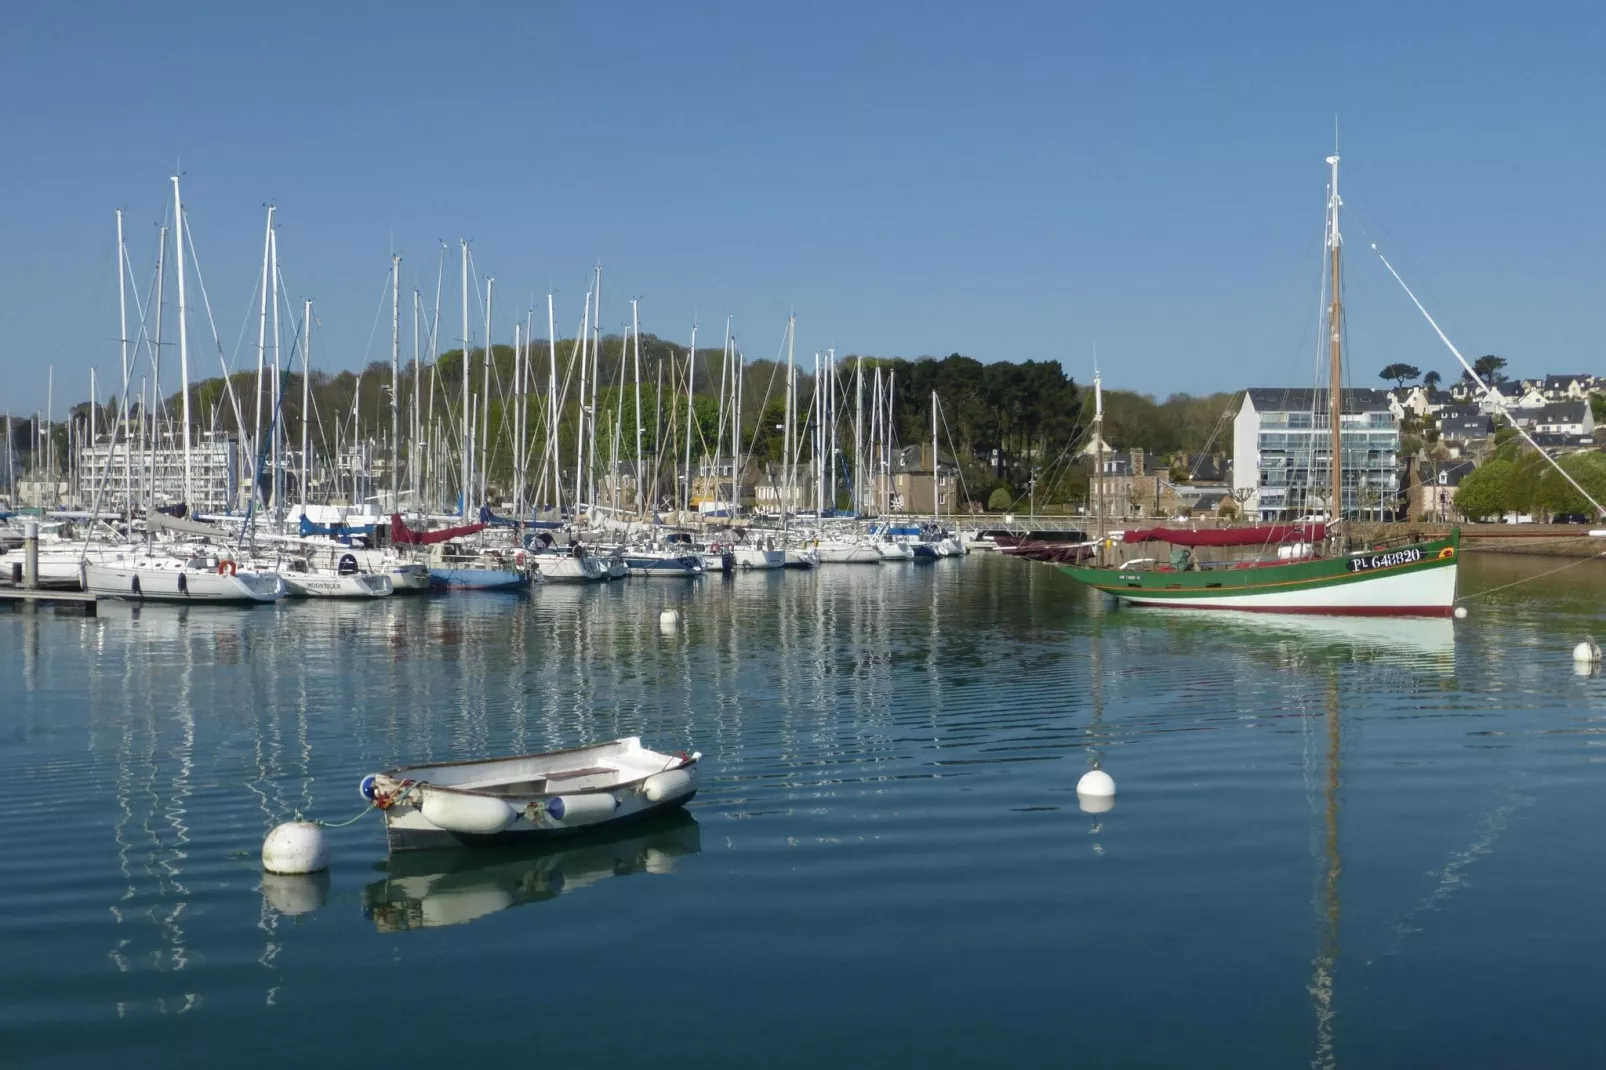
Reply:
x=1587, y=653
x=295, y=847
x=669, y=620
x=1095, y=792
x=1460, y=612
x=1096, y=782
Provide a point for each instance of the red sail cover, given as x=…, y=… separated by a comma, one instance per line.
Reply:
x=403, y=535
x=1230, y=536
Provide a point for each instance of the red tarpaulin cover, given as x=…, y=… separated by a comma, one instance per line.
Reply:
x=406, y=536
x=1230, y=536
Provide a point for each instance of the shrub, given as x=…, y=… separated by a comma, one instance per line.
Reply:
x=1001, y=499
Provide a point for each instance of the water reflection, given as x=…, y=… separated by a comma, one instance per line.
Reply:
x=428, y=889
x=863, y=730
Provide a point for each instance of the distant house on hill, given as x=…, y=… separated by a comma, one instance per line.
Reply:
x=1565, y=387
x=1464, y=431
x=1419, y=401
x=1573, y=418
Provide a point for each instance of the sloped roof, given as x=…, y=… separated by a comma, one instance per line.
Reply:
x=1450, y=475
x=1465, y=424
x=1561, y=412
x=1304, y=399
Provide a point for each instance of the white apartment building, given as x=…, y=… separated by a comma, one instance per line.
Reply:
x=1282, y=453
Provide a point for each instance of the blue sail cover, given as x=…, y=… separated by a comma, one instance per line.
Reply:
x=490, y=518
x=334, y=531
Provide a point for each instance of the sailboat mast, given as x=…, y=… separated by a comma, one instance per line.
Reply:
x=395, y=382
x=596, y=383
x=936, y=500
x=580, y=424
x=156, y=365
x=719, y=434
x=858, y=436
x=122, y=335
x=791, y=403
x=635, y=339
x=1098, y=459
x=183, y=339
x=306, y=396
x=273, y=420
x=468, y=424
x=691, y=380
x=262, y=349
x=485, y=403
x=1335, y=356
x=553, y=445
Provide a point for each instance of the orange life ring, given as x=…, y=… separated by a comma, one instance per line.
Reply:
x=225, y=567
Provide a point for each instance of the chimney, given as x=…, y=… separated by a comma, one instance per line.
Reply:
x=1137, y=462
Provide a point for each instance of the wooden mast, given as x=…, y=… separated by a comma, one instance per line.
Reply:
x=1335, y=316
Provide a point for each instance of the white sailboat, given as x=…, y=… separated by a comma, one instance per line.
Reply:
x=316, y=576
x=201, y=576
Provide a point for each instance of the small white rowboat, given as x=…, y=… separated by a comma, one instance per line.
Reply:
x=531, y=797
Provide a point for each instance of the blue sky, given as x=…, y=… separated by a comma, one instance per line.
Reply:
x=1009, y=182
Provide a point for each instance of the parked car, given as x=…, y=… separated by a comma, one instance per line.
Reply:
x=1570, y=518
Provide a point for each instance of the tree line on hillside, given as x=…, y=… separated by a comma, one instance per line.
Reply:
x=1012, y=426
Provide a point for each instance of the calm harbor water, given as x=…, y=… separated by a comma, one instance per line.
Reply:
x=1368, y=844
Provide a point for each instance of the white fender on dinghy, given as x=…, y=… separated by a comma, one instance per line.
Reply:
x=669, y=784
x=582, y=809
x=473, y=814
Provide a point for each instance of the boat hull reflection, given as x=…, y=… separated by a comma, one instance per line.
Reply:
x=429, y=889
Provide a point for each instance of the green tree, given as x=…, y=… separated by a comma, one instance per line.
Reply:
x=1400, y=373
x=1432, y=380
x=1000, y=499
x=1597, y=407
x=1488, y=368
x=1486, y=490
x=1556, y=495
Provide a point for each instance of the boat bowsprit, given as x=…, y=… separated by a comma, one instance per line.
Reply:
x=530, y=797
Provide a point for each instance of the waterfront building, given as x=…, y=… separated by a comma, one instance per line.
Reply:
x=1130, y=485
x=158, y=472
x=911, y=486
x=1282, y=453
x=1433, y=497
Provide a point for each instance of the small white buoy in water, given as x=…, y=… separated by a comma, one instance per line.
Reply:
x=1587, y=653
x=1096, y=782
x=295, y=847
x=669, y=620
x=1460, y=612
